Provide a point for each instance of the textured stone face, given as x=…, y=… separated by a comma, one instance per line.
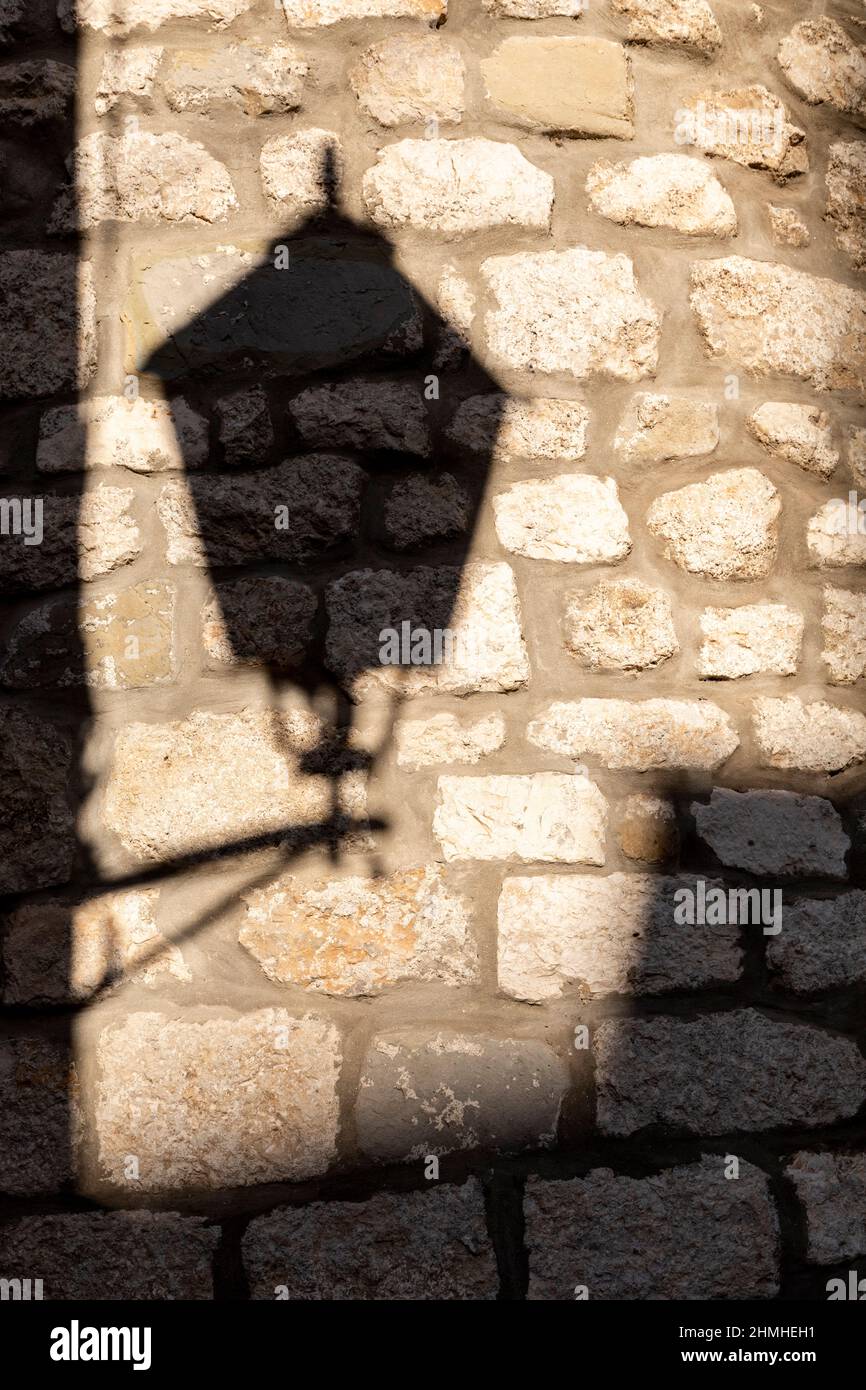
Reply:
x=817, y=737
x=113, y=1255
x=357, y=937
x=298, y=173
x=688, y=24
x=856, y=452
x=256, y=78
x=748, y=125
x=356, y=414
x=620, y=625
x=657, y=428
x=310, y=14
x=787, y=228
x=822, y=944
x=83, y=538
x=752, y=313
x=846, y=202
x=723, y=1072
x=502, y=428
x=611, y=935
x=832, y=1192
x=220, y=1103
x=548, y=816
x=419, y=510
x=664, y=190
x=177, y=788
x=48, y=317
x=758, y=637
x=122, y=16
x=637, y=734
x=456, y=186
x=843, y=626
x=446, y=739
x=685, y=1233
x=34, y=91
x=648, y=829
x=575, y=518
x=266, y=620
x=834, y=537
x=37, y=1084
x=246, y=432
x=580, y=85
x=406, y=1246
x=113, y=432
x=723, y=528
x=823, y=64
x=774, y=832
x=534, y=9
x=127, y=72
x=432, y=1095
x=799, y=433
x=579, y=312
x=417, y=78
x=37, y=832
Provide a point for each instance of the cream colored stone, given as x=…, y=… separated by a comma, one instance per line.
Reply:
x=216, y=1102
x=575, y=518
x=107, y=535
x=211, y=780
x=855, y=453
x=615, y=934
x=648, y=830
x=773, y=832
x=445, y=739
x=299, y=171
x=142, y=177
x=258, y=78
x=127, y=72
x=145, y=436
x=756, y=638
x=357, y=936
x=823, y=64
x=799, y=433
x=813, y=737
x=748, y=125
x=688, y=24
x=846, y=199
x=311, y=14
x=120, y=17
x=836, y=534
x=637, y=735
x=620, y=625
x=575, y=311
x=551, y=817
x=534, y=9
x=787, y=227
x=581, y=85
x=456, y=186
x=504, y=427
x=410, y=78
x=843, y=626
x=456, y=303
x=724, y=527
x=663, y=190
x=657, y=428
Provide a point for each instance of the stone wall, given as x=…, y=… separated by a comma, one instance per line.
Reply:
x=540, y=325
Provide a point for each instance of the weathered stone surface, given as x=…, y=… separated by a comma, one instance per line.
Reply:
x=620, y=625
x=265, y=620
x=245, y=428
x=82, y=538
x=310, y=14
x=855, y=452
x=822, y=944
x=610, y=935
x=113, y=1255
x=37, y=1084
x=502, y=427
x=127, y=72
x=239, y=309
x=396, y=1246
x=177, y=789
x=647, y=829
x=120, y=17
x=121, y=640
x=294, y=512
x=753, y=313
x=456, y=186
x=832, y=1192
x=35, y=90
x=357, y=936
x=823, y=64
x=773, y=832
x=223, y=1102
x=58, y=952
x=299, y=173
x=685, y=1233
x=562, y=84
x=455, y=301
x=688, y=24
x=799, y=433
x=445, y=739
x=410, y=78
x=145, y=436
x=723, y=1072
x=811, y=738
x=757, y=637
x=431, y=1095
x=356, y=414
x=836, y=535
x=552, y=817
x=575, y=311
x=843, y=626
x=575, y=518
x=258, y=78
x=37, y=830
x=748, y=125
x=476, y=604
x=420, y=509
x=787, y=228
x=846, y=199
x=657, y=428
x=534, y=9
x=663, y=190
x=48, y=342
x=724, y=527
x=142, y=177
x=637, y=734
